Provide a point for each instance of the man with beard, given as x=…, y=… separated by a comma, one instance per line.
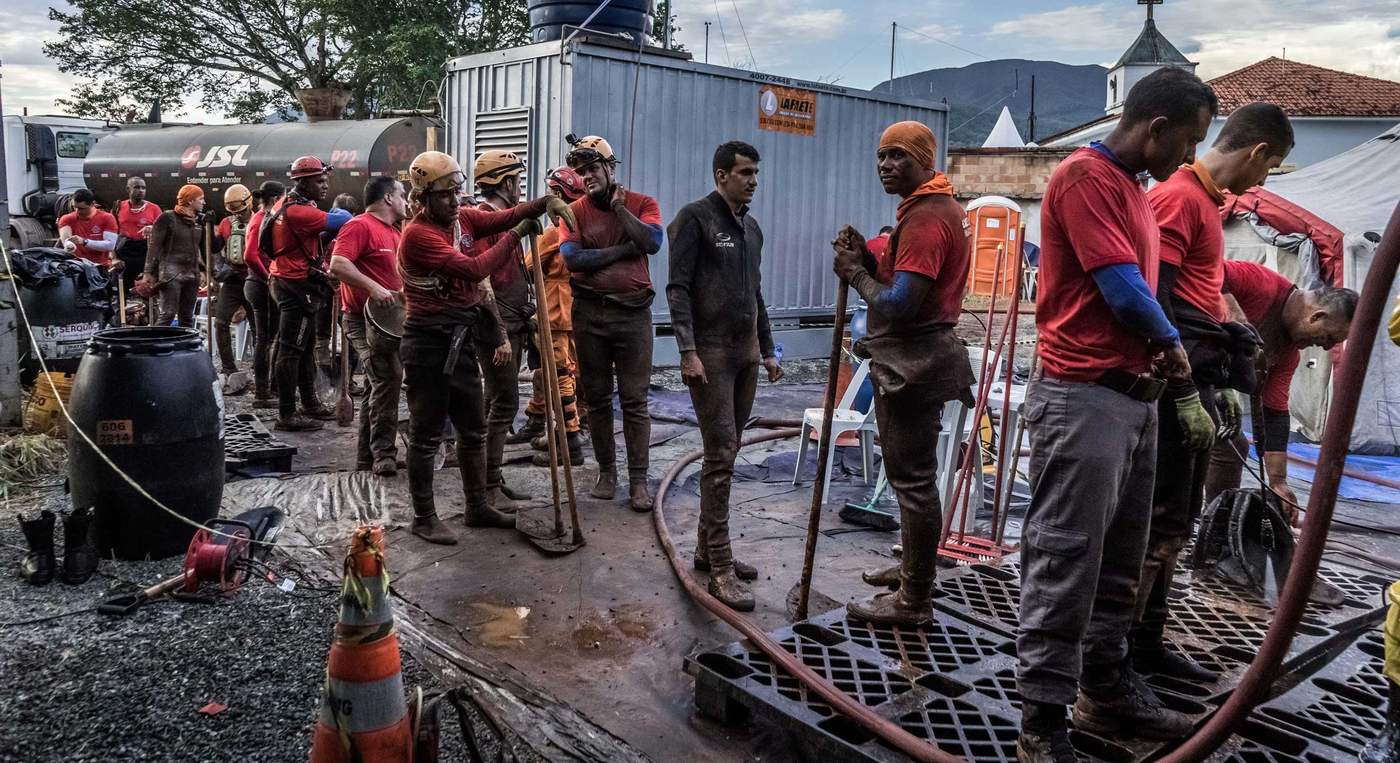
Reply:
x=607, y=256
x=173, y=259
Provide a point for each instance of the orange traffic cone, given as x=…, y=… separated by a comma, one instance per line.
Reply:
x=363, y=716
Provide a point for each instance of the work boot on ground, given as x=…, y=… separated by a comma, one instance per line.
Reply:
x=892, y=608
x=534, y=427
x=885, y=578
x=79, y=550
x=433, y=530
x=1115, y=703
x=386, y=466
x=512, y=493
x=1159, y=659
x=482, y=514
x=741, y=570
x=728, y=588
x=38, y=564
x=320, y=413
x=606, y=487
x=640, y=498
x=541, y=443
x=297, y=423
x=575, y=452
x=501, y=501
x=265, y=400
x=912, y=604
x=1044, y=735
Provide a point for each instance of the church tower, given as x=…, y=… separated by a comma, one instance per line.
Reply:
x=1148, y=53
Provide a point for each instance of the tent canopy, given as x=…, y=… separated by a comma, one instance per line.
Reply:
x=1004, y=133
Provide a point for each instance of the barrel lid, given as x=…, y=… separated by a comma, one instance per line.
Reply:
x=144, y=340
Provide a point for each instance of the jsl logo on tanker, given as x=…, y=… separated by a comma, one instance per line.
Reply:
x=218, y=156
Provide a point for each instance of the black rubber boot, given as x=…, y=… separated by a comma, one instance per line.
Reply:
x=728, y=588
x=742, y=570
x=319, y=412
x=1115, y=703
x=1151, y=655
x=575, y=452
x=1044, y=735
x=1386, y=747
x=297, y=423
x=79, y=550
x=433, y=530
x=534, y=427
x=912, y=604
x=38, y=564
x=263, y=399
x=481, y=514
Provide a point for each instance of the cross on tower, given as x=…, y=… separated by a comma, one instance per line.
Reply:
x=1149, y=4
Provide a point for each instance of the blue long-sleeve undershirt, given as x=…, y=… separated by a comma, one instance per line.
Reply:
x=1133, y=304
x=336, y=218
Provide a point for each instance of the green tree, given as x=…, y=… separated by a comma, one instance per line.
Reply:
x=245, y=59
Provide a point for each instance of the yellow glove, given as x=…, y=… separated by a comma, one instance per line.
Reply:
x=557, y=209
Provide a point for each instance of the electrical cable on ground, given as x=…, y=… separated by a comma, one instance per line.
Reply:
x=38, y=620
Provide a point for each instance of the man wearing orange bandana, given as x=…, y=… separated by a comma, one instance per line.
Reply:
x=172, y=258
x=914, y=290
x=1255, y=139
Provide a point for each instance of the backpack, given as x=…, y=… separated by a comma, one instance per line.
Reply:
x=233, y=248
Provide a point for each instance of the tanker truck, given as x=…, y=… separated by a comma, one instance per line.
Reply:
x=43, y=166
x=217, y=156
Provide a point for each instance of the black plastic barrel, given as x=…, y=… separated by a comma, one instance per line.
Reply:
x=549, y=17
x=60, y=326
x=149, y=398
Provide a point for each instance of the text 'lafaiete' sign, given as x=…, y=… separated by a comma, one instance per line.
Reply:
x=787, y=109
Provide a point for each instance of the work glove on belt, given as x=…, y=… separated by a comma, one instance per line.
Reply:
x=1195, y=422
x=1227, y=405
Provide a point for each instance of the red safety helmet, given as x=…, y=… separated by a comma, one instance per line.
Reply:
x=566, y=182
x=308, y=166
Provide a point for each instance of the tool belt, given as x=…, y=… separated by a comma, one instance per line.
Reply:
x=1140, y=387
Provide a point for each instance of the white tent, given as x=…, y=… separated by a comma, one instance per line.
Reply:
x=1004, y=133
x=1355, y=192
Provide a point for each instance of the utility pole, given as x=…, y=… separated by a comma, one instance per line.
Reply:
x=666, y=33
x=707, y=42
x=894, y=25
x=1031, y=126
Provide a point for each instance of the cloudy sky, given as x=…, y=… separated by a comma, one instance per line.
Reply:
x=848, y=41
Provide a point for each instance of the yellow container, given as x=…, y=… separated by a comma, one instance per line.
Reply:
x=41, y=412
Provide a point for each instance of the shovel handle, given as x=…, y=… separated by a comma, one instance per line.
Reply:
x=127, y=603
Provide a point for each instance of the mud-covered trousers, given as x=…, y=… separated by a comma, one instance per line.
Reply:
x=435, y=397
x=722, y=406
x=502, y=395
x=614, y=342
x=1093, y=455
x=298, y=303
x=379, y=406
x=230, y=297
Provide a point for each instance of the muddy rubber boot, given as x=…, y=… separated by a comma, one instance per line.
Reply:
x=534, y=427
x=512, y=493
x=605, y=488
x=1115, y=703
x=79, y=550
x=38, y=564
x=1386, y=747
x=912, y=604
x=540, y=443
x=885, y=578
x=728, y=588
x=433, y=530
x=501, y=501
x=386, y=466
x=1152, y=655
x=263, y=399
x=640, y=498
x=1044, y=735
x=319, y=412
x=575, y=452
x=297, y=423
x=742, y=570
x=481, y=514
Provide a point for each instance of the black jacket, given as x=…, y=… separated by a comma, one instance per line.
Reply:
x=715, y=286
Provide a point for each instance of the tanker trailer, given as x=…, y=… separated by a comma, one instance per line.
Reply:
x=217, y=156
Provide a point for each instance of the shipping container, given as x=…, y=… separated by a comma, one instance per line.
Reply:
x=665, y=114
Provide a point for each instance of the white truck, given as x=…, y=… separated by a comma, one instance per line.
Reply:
x=43, y=166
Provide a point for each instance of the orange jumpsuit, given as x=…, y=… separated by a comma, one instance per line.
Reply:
x=558, y=301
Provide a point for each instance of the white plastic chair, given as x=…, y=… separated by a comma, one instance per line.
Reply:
x=844, y=418
x=240, y=330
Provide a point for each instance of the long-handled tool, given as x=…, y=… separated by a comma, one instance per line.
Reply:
x=344, y=409
x=209, y=283
x=814, y=516
x=555, y=430
x=121, y=304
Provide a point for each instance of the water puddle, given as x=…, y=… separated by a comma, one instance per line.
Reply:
x=504, y=626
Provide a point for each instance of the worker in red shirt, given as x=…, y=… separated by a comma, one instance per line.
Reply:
x=259, y=294
x=607, y=256
x=1287, y=319
x=1092, y=417
x=365, y=262
x=915, y=292
x=558, y=305
x=290, y=236
x=230, y=246
x=446, y=288
x=498, y=174
x=88, y=232
x=877, y=246
x=135, y=217
x=1255, y=139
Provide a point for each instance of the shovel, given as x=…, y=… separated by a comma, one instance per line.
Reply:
x=344, y=408
x=551, y=540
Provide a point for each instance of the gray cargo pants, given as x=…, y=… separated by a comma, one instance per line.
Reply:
x=1093, y=456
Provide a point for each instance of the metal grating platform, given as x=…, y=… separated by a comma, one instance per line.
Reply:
x=247, y=443
x=1343, y=704
x=954, y=682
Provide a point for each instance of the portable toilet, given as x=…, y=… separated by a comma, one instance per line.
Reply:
x=994, y=221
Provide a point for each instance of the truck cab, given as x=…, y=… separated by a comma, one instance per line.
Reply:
x=43, y=166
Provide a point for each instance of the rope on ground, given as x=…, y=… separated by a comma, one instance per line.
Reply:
x=127, y=478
